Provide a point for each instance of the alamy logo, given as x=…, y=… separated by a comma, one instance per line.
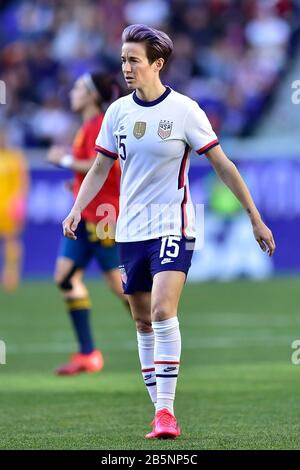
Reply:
x=296, y=94
x=296, y=354
x=2, y=352
x=2, y=92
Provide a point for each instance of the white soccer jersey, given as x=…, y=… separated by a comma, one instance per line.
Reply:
x=153, y=141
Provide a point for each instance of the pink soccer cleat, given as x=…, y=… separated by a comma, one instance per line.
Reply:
x=151, y=434
x=92, y=362
x=165, y=426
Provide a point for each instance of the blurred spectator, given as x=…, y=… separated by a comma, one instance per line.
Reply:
x=51, y=123
x=151, y=12
x=229, y=56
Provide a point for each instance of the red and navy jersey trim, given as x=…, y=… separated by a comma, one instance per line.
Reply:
x=183, y=166
x=183, y=213
x=207, y=147
x=182, y=185
x=107, y=153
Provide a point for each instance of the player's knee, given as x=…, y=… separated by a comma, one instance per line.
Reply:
x=63, y=282
x=160, y=312
x=143, y=326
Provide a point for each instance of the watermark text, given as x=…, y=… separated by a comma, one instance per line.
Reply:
x=2, y=92
x=2, y=352
x=296, y=94
x=296, y=354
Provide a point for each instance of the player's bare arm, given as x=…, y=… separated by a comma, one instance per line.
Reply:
x=91, y=185
x=229, y=174
x=82, y=166
x=57, y=156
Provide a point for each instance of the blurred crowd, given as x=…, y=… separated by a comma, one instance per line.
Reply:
x=229, y=55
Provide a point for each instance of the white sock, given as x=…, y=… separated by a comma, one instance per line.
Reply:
x=146, y=354
x=167, y=351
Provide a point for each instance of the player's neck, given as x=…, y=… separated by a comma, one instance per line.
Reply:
x=151, y=92
x=90, y=112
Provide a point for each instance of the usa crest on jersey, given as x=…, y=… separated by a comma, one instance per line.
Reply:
x=164, y=129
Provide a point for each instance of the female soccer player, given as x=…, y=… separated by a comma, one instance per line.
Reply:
x=87, y=97
x=152, y=132
x=14, y=182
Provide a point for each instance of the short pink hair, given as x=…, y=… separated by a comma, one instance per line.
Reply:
x=158, y=44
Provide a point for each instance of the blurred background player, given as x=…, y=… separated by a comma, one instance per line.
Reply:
x=13, y=192
x=88, y=95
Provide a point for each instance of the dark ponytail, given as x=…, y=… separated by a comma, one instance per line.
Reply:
x=107, y=87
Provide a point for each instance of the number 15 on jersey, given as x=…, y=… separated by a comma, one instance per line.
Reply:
x=121, y=139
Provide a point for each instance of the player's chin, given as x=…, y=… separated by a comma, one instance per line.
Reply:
x=75, y=108
x=130, y=84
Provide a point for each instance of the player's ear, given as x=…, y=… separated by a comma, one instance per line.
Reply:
x=159, y=63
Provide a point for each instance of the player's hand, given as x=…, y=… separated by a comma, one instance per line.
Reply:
x=264, y=237
x=70, y=224
x=55, y=154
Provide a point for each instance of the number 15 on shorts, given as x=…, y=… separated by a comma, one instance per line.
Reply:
x=169, y=247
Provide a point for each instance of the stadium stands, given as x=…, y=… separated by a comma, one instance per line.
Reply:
x=229, y=56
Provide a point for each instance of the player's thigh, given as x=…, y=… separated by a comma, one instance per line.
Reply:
x=108, y=260
x=73, y=255
x=166, y=291
x=140, y=306
x=113, y=280
x=134, y=267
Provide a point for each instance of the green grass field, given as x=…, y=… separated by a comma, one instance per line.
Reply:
x=237, y=388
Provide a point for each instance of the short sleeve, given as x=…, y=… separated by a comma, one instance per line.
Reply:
x=105, y=142
x=198, y=131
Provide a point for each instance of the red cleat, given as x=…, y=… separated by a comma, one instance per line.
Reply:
x=92, y=362
x=151, y=434
x=165, y=426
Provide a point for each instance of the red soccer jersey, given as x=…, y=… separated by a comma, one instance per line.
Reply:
x=84, y=149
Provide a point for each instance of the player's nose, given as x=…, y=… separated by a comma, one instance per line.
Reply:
x=126, y=67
